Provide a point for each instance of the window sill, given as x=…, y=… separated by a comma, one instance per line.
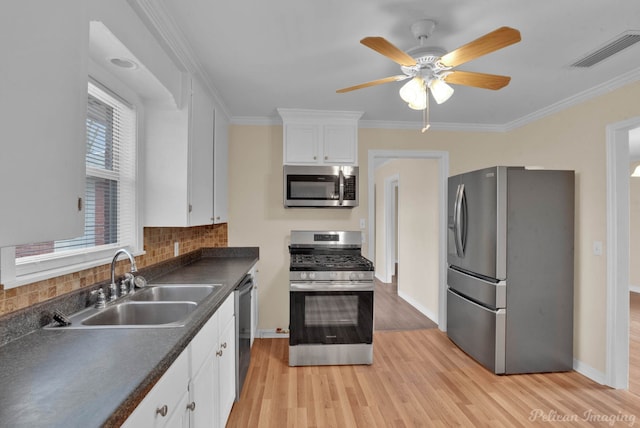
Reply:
x=30, y=278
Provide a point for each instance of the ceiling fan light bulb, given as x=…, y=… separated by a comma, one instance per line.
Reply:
x=413, y=90
x=440, y=90
x=419, y=104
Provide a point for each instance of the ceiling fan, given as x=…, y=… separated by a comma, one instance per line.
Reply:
x=432, y=69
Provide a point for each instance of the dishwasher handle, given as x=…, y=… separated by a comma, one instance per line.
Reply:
x=245, y=285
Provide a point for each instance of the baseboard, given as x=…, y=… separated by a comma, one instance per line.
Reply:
x=424, y=311
x=634, y=288
x=590, y=372
x=272, y=334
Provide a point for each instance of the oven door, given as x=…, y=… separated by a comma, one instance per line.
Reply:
x=331, y=316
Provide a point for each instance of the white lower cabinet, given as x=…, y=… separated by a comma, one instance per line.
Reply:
x=164, y=405
x=198, y=390
x=226, y=370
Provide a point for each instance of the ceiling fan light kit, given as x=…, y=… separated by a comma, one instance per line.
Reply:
x=431, y=68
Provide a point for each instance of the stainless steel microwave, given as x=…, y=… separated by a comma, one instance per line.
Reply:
x=320, y=186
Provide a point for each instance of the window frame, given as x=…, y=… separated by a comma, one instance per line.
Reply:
x=13, y=274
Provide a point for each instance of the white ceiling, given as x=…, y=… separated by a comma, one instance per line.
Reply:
x=260, y=55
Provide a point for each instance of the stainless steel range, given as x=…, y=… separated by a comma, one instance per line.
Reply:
x=331, y=299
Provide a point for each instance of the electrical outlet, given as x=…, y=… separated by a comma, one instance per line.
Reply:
x=176, y=249
x=363, y=223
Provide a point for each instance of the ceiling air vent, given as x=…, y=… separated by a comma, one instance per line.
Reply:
x=621, y=42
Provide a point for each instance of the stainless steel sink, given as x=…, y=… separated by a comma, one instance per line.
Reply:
x=174, y=293
x=155, y=306
x=141, y=314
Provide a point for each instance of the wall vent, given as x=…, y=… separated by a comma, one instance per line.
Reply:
x=621, y=42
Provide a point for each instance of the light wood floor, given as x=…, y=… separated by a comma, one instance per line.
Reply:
x=393, y=313
x=418, y=379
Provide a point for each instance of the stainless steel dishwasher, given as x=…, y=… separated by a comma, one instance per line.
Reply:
x=243, y=330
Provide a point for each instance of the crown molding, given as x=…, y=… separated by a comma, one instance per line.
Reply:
x=601, y=89
x=161, y=24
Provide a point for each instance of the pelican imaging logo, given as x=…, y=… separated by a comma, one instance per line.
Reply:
x=589, y=416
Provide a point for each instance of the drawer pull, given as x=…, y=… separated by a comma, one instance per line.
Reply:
x=162, y=411
x=219, y=353
x=191, y=406
x=224, y=345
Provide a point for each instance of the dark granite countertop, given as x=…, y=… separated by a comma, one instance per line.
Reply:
x=97, y=377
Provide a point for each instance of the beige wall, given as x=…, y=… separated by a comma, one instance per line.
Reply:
x=417, y=236
x=571, y=139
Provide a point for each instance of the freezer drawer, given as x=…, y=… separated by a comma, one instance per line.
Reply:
x=477, y=330
x=487, y=293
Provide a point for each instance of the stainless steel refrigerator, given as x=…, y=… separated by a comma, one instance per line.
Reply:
x=510, y=268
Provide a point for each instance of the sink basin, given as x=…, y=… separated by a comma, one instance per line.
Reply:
x=142, y=313
x=174, y=293
x=155, y=306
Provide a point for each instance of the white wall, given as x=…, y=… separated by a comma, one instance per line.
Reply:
x=634, y=230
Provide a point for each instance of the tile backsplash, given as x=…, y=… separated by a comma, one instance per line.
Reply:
x=158, y=245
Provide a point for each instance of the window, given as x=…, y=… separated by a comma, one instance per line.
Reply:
x=109, y=202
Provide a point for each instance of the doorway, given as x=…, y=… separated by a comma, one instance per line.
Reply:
x=378, y=157
x=617, y=352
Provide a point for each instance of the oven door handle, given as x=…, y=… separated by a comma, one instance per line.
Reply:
x=331, y=286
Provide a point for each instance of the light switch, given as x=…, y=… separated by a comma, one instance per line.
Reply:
x=597, y=248
x=363, y=223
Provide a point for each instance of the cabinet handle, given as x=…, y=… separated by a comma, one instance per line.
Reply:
x=162, y=411
x=219, y=353
x=191, y=406
x=314, y=158
x=224, y=345
x=326, y=157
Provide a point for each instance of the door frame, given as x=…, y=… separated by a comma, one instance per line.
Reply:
x=618, y=228
x=390, y=229
x=377, y=156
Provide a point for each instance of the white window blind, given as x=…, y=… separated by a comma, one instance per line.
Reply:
x=109, y=202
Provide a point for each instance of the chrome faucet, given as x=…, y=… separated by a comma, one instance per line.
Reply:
x=113, y=289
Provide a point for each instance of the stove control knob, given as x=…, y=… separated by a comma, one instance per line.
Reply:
x=353, y=276
x=333, y=275
x=312, y=275
x=303, y=275
x=360, y=275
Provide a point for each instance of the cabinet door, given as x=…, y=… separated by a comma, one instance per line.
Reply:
x=339, y=144
x=220, y=169
x=301, y=143
x=168, y=397
x=202, y=391
x=180, y=418
x=200, y=156
x=227, y=370
x=43, y=108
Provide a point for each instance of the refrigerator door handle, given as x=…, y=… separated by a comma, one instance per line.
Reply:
x=459, y=221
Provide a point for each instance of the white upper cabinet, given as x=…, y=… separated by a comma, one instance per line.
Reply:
x=314, y=137
x=179, y=161
x=43, y=109
x=220, y=169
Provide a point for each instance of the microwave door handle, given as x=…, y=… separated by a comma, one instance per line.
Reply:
x=341, y=175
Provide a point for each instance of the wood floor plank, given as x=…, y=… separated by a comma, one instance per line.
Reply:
x=418, y=379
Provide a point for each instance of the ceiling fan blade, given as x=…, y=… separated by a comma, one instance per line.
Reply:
x=477, y=80
x=490, y=42
x=373, y=83
x=382, y=46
